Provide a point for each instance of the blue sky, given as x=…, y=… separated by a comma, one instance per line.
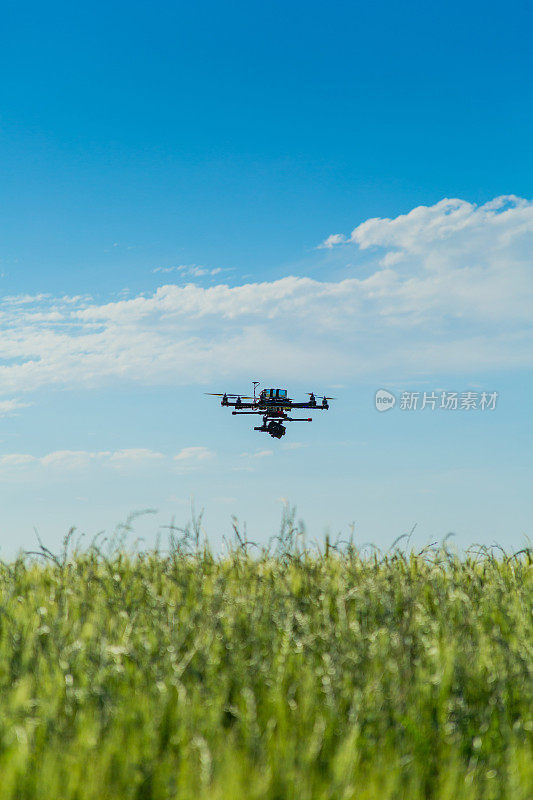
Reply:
x=168, y=178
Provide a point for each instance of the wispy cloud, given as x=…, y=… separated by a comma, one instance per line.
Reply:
x=193, y=456
x=191, y=270
x=446, y=287
x=11, y=405
x=68, y=460
x=258, y=454
x=333, y=240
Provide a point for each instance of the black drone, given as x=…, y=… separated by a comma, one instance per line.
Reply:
x=273, y=404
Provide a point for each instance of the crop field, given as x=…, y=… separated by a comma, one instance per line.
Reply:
x=283, y=673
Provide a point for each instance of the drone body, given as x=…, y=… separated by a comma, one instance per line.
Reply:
x=273, y=405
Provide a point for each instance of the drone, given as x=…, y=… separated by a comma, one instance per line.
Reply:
x=273, y=404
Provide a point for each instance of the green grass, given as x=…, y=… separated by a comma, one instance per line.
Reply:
x=280, y=674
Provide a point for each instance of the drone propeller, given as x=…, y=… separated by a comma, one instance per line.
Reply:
x=321, y=396
x=225, y=394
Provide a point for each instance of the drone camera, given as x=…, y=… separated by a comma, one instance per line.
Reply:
x=276, y=430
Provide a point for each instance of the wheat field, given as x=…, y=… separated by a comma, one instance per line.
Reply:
x=276, y=673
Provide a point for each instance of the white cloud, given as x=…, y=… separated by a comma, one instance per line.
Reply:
x=445, y=287
x=192, y=455
x=67, y=460
x=333, y=240
x=194, y=270
x=134, y=456
x=246, y=461
x=465, y=224
x=17, y=460
x=11, y=405
x=190, y=459
x=263, y=453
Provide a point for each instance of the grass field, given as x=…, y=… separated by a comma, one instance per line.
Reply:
x=281, y=674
